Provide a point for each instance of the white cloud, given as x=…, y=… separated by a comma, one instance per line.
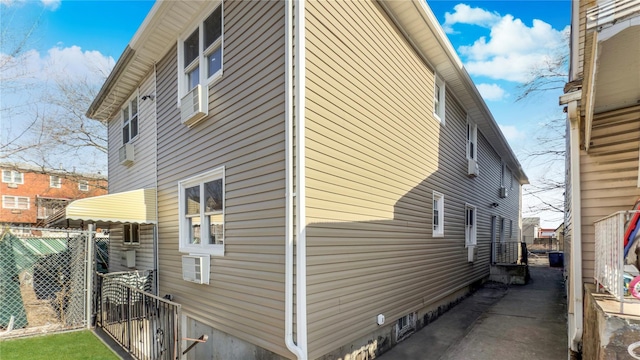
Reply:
x=491, y=92
x=70, y=63
x=465, y=14
x=48, y=4
x=511, y=132
x=512, y=49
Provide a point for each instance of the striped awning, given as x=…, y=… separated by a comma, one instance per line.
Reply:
x=136, y=206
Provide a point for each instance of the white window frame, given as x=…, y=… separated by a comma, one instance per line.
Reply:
x=55, y=181
x=439, y=98
x=510, y=228
x=471, y=225
x=501, y=226
x=83, y=185
x=472, y=140
x=131, y=116
x=437, y=218
x=201, y=59
x=13, y=202
x=503, y=172
x=184, y=244
x=12, y=176
x=133, y=231
x=511, y=180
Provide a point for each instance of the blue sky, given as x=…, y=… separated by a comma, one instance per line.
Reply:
x=496, y=40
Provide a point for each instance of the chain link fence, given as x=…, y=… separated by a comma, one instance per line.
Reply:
x=44, y=279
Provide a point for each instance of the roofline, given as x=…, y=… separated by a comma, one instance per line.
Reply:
x=43, y=170
x=114, y=76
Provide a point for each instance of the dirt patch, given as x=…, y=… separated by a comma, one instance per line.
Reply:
x=39, y=312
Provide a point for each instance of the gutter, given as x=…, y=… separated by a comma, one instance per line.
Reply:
x=111, y=81
x=295, y=97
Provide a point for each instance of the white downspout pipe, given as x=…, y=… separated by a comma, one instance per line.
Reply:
x=299, y=349
x=575, y=319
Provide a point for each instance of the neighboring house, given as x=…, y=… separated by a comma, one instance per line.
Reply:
x=530, y=226
x=347, y=141
x=546, y=233
x=603, y=132
x=31, y=194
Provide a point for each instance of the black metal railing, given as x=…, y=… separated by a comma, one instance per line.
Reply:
x=508, y=253
x=145, y=325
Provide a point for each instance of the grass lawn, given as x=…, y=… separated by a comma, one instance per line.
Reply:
x=72, y=345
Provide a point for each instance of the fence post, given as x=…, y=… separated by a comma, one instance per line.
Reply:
x=89, y=257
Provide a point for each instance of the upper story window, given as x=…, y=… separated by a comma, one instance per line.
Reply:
x=472, y=140
x=439, y=99
x=15, y=202
x=470, y=225
x=12, y=176
x=201, y=201
x=200, y=52
x=55, y=181
x=438, y=214
x=83, y=185
x=130, y=120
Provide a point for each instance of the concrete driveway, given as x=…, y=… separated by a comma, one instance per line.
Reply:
x=497, y=322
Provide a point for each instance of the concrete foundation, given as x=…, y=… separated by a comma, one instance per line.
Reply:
x=510, y=274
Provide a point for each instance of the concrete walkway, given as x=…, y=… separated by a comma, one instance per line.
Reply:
x=498, y=322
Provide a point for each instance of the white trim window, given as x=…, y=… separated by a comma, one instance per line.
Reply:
x=15, y=202
x=12, y=177
x=55, y=181
x=83, y=185
x=472, y=140
x=470, y=229
x=130, y=120
x=131, y=234
x=438, y=214
x=502, y=230
x=200, y=52
x=201, y=201
x=439, y=99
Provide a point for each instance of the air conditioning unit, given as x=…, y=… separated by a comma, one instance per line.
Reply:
x=472, y=253
x=130, y=258
x=195, y=268
x=125, y=154
x=473, y=169
x=192, y=108
x=12, y=185
x=503, y=192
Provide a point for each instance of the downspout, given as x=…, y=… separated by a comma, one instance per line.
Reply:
x=156, y=257
x=575, y=331
x=298, y=349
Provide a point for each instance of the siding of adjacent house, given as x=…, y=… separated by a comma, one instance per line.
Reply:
x=375, y=154
x=244, y=132
x=609, y=174
x=142, y=173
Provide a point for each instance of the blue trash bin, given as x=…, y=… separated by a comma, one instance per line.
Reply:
x=556, y=259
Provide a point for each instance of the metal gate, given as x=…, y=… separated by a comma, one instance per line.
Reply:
x=45, y=281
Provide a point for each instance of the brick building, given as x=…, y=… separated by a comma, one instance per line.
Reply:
x=30, y=195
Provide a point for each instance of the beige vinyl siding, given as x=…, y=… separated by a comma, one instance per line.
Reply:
x=609, y=174
x=142, y=173
x=244, y=132
x=144, y=251
x=375, y=154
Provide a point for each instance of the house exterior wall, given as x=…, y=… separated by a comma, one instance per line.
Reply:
x=144, y=250
x=244, y=132
x=375, y=154
x=609, y=175
x=37, y=184
x=142, y=173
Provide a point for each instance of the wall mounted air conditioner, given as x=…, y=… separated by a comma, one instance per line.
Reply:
x=12, y=185
x=125, y=154
x=192, y=107
x=472, y=169
x=130, y=258
x=472, y=253
x=503, y=192
x=195, y=268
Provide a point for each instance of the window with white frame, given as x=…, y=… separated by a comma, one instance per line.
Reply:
x=510, y=229
x=503, y=171
x=472, y=140
x=131, y=234
x=12, y=176
x=439, y=99
x=438, y=214
x=502, y=239
x=511, y=181
x=15, y=202
x=83, y=185
x=470, y=225
x=130, y=119
x=55, y=181
x=201, y=200
x=200, y=52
